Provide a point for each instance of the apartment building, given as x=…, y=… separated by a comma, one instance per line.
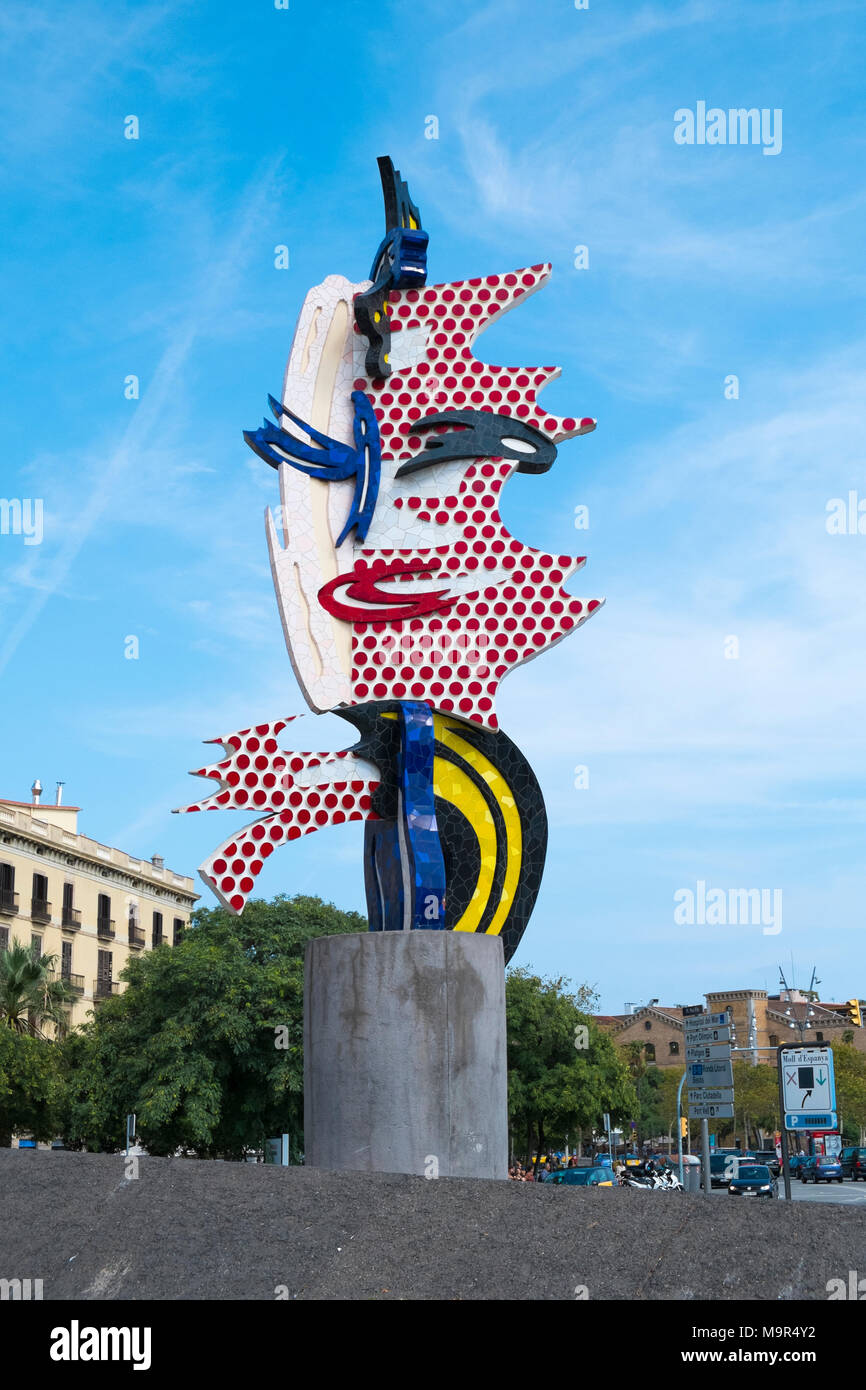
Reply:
x=91, y=906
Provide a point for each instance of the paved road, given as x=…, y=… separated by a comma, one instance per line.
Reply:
x=847, y=1194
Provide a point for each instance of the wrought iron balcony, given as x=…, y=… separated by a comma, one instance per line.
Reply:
x=40, y=910
x=71, y=919
x=105, y=927
x=136, y=937
x=105, y=989
x=75, y=982
x=8, y=901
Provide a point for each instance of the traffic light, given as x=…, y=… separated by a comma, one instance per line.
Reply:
x=684, y=1127
x=854, y=1012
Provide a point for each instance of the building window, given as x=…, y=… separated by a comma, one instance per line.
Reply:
x=70, y=917
x=819, y=1037
x=156, y=935
x=65, y=959
x=104, y=967
x=4, y=938
x=103, y=915
x=36, y=944
x=774, y=1039
x=649, y=1049
x=7, y=888
x=648, y=1025
x=675, y=1047
x=178, y=931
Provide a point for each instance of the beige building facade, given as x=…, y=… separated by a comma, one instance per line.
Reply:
x=91, y=906
x=761, y=1023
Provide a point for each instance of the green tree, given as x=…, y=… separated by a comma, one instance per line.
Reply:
x=30, y=993
x=850, y=1068
x=206, y=1043
x=756, y=1104
x=31, y=1086
x=563, y=1070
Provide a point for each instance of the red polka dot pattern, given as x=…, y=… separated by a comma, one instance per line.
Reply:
x=258, y=775
x=512, y=605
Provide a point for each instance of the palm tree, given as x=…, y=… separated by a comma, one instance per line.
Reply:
x=30, y=993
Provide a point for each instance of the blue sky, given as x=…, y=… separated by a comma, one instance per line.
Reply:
x=707, y=515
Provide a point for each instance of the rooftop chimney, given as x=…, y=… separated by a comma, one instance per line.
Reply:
x=36, y=791
x=59, y=798
x=157, y=861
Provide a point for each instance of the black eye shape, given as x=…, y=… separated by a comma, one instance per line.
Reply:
x=480, y=434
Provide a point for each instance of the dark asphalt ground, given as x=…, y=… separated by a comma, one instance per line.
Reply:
x=195, y=1230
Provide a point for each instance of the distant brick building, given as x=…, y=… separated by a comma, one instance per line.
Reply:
x=761, y=1022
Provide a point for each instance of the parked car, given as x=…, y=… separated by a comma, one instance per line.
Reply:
x=581, y=1177
x=771, y=1159
x=853, y=1162
x=725, y=1164
x=753, y=1180
x=820, y=1168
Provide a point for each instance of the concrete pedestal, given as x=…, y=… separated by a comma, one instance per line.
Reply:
x=404, y=1054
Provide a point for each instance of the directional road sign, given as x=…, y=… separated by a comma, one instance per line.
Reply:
x=716, y=1034
x=808, y=1086
x=724, y=1111
x=719, y=1052
x=811, y=1120
x=712, y=1095
x=705, y=1021
x=709, y=1074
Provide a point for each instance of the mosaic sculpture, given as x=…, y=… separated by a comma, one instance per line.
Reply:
x=404, y=600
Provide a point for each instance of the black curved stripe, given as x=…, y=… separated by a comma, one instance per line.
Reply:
x=462, y=857
x=499, y=830
x=510, y=762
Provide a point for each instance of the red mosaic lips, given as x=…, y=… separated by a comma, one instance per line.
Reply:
x=362, y=585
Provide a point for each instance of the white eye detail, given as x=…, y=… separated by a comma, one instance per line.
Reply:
x=521, y=446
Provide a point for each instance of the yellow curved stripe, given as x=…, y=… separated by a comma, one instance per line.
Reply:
x=447, y=732
x=456, y=786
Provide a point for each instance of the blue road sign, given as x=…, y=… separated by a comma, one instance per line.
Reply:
x=811, y=1120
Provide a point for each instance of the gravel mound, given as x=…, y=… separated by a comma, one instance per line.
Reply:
x=185, y=1229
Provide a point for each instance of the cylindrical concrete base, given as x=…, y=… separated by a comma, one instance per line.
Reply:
x=404, y=1054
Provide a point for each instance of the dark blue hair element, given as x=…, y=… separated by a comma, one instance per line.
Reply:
x=333, y=462
x=404, y=866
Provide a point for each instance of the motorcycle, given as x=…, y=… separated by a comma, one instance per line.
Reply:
x=652, y=1182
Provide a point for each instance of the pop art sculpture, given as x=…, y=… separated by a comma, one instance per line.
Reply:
x=404, y=600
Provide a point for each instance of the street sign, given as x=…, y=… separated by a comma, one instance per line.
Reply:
x=705, y=1021
x=724, y=1111
x=709, y=1074
x=707, y=1034
x=808, y=1086
x=692, y=1010
x=721, y=1052
x=712, y=1095
x=808, y=1120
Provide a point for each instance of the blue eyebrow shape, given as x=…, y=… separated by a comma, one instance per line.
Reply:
x=333, y=462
